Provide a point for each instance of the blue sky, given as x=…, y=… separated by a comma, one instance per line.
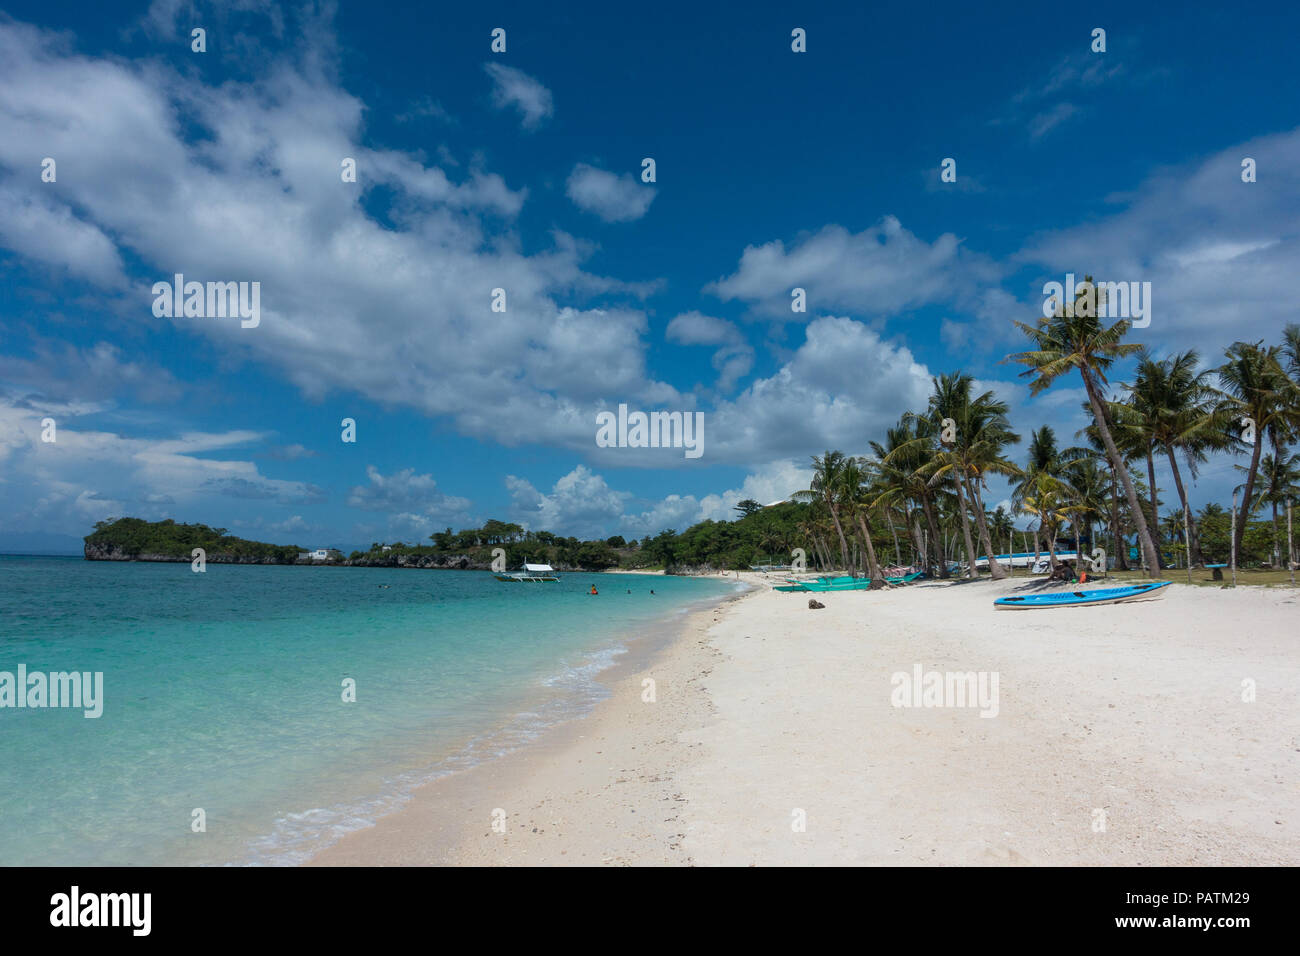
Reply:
x=521, y=170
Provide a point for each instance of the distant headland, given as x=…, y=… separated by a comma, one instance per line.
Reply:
x=753, y=538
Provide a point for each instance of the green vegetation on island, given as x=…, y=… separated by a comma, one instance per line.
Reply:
x=127, y=539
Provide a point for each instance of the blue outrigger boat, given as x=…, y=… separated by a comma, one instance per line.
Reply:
x=1130, y=592
x=846, y=582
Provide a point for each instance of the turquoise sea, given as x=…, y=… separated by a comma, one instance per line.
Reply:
x=224, y=691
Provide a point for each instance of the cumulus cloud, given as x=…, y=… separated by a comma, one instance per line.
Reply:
x=734, y=357
x=87, y=475
x=1221, y=255
x=241, y=182
x=405, y=491
x=612, y=198
x=583, y=504
x=880, y=271
x=515, y=88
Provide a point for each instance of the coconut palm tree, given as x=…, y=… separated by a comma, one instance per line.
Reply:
x=1279, y=476
x=1178, y=412
x=1074, y=338
x=1003, y=528
x=1044, y=459
x=1088, y=496
x=1048, y=502
x=826, y=488
x=856, y=480
x=1262, y=401
x=950, y=402
x=1291, y=349
x=905, y=452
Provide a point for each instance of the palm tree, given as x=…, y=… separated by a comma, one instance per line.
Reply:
x=1253, y=385
x=1074, y=338
x=905, y=453
x=1002, y=528
x=856, y=479
x=951, y=400
x=1178, y=411
x=1291, y=349
x=1280, y=477
x=1088, y=494
x=1044, y=460
x=989, y=434
x=1047, y=501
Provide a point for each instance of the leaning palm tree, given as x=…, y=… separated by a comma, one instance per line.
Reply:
x=1263, y=401
x=826, y=487
x=1074, y=338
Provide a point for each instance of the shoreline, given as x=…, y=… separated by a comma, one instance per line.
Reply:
x=1122, y=738
x=448, y=821
x=443, y=816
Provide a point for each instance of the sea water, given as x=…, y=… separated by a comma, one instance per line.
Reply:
x=225, y=735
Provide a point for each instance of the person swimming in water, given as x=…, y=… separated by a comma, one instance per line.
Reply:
x=593, y=589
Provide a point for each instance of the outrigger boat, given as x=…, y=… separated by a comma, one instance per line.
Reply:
x=531, y=574
x=844, y=583
x=1130, y=592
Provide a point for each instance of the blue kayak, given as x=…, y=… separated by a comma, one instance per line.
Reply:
x=1130, y=592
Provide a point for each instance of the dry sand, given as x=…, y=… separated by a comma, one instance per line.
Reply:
x=1122, y=737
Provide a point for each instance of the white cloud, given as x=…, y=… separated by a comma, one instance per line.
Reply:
x=733, y=359
x=880, y=271
x=582, y=503
x=349, y=304
x=1221, y=255
x=612, y=198
x=513, y=87
x=87, y=475
x=408, y=493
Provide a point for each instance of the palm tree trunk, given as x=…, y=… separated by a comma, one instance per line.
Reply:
x=1103, y=428
x=1239, y=531
x=927, y=508
x=996, y=571
x=898, y=555
x=1193, y=545
x=1155, y=504
x=873, y=569
x=844, y=542
x=1121, y=553
x=965, y=524
x=825, y=556
x=1277, y=549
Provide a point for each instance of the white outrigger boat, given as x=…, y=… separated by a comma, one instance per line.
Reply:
x=531, y=574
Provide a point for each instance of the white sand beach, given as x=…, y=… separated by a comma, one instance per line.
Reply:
x=1121, y=738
